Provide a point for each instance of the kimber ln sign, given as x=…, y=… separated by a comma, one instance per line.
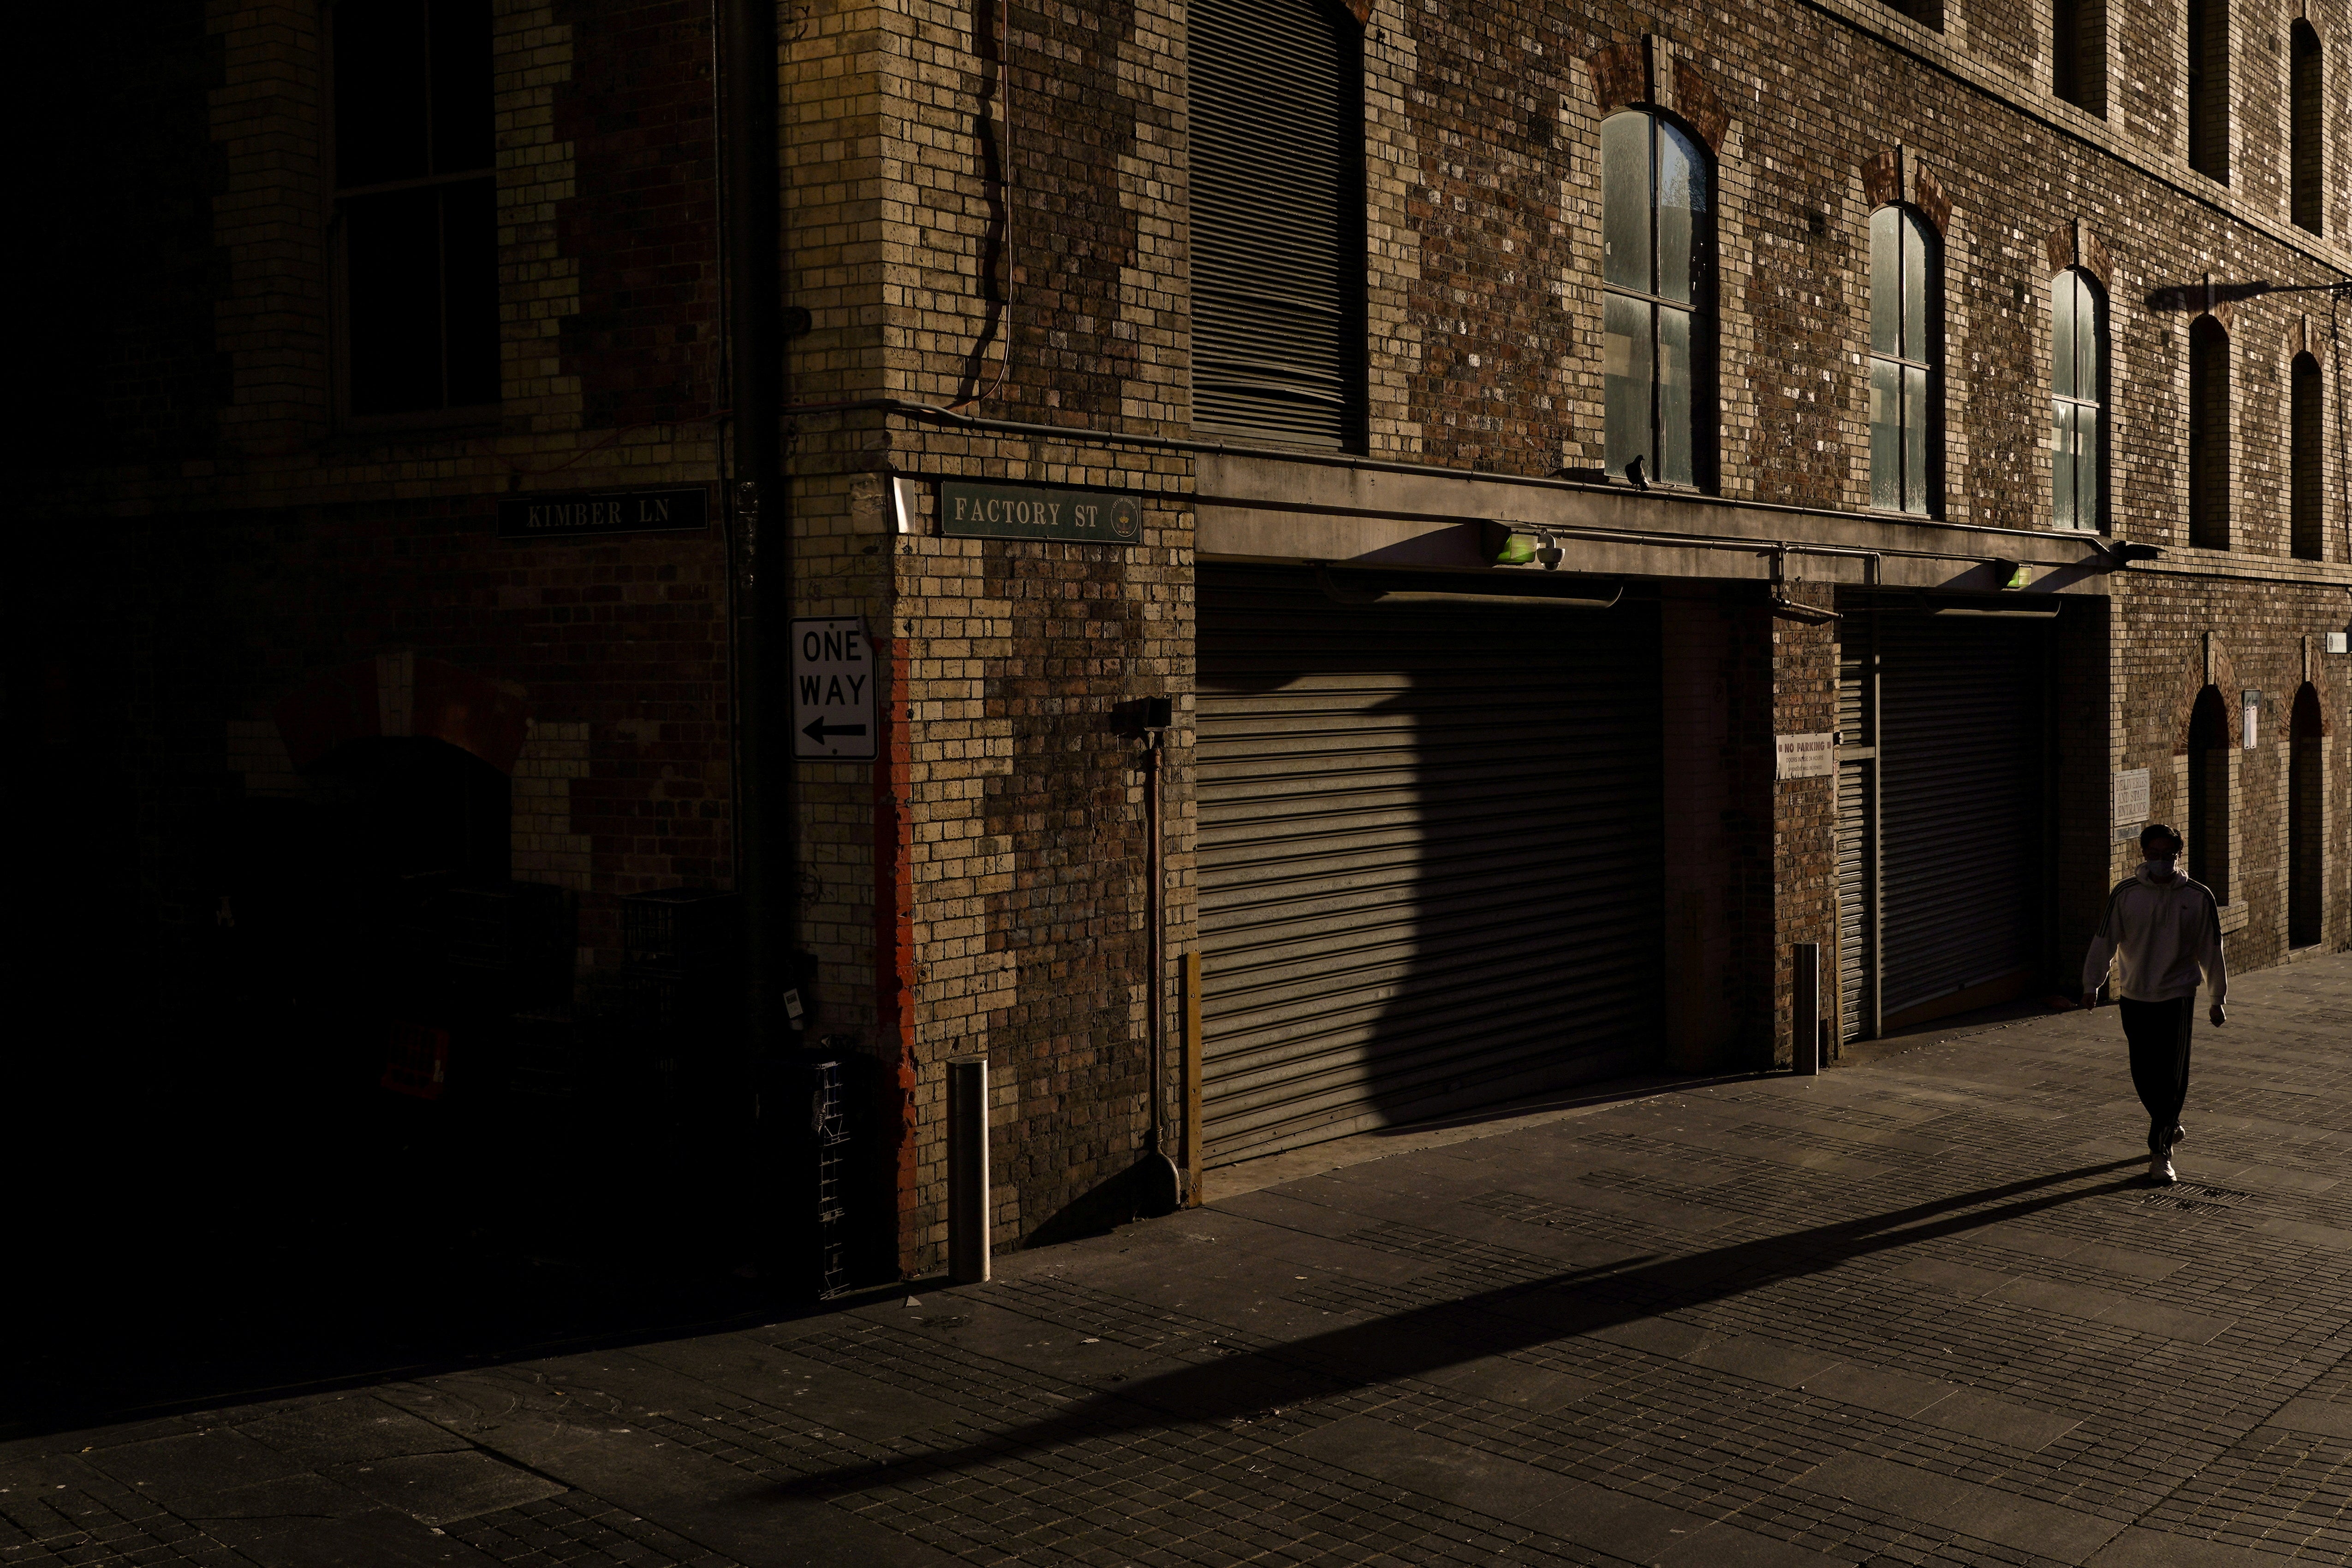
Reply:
x=568, y=514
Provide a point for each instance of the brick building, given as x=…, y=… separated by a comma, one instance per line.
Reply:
x=1611, y=493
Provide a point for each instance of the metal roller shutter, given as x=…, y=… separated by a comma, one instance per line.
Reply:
x=1278, y=219
x=1962, y=802
x=1430, y=855
x=1858, y=809
x=1856, y=973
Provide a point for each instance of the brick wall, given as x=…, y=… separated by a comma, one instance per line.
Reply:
x=2175, y=634
x=1804, y=812
x=637, y=109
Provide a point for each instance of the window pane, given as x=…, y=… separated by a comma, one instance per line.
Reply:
x=461, y=85
x=1885, y=283
x=1915, y=287
x=1625, y=380
x=2086, y=340
x=1886, y=434
x=2062, y=465
x=1915, y=439
x=1625, y=200
x=2086, y=466
x=2062, y=334
x=381, y=93
x=1673, y=464
x=1682, y=214
x=469, y=240
x=394, y=300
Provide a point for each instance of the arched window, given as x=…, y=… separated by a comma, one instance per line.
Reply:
x=2208, y=434
x=1278, y=172
x=2078, y=393
x=2211, y=746
x=2305, y=148
x=2307, y=814
x=2305, y=430
x=2209, y=87
x=1906, y=310
x=1657, y=246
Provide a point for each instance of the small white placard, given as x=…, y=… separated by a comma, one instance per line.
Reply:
x=2128, y=792
x=2251, y=705
x=1803, y=756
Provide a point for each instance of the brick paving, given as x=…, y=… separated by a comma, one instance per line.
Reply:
x=1918, y=1310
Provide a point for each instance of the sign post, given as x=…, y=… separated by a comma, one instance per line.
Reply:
x=832, y=689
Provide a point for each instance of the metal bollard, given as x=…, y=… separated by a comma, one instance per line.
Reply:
x=968, y=1170
x=1805, y=1027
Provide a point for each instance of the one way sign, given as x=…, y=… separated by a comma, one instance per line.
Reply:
x=833, y=688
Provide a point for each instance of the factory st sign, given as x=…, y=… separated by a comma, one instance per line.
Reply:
x=1020, y=512
x=832, y=689
x=570, y=514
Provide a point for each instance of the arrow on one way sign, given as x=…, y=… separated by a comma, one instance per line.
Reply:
x=832, y=678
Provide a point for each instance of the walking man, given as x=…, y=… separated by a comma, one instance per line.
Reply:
x=2161, y=930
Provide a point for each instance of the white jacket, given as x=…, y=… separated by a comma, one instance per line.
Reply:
x=2159, y=935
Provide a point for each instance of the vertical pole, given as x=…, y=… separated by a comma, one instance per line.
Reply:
x=968, y=1170
x=1191, y=1026
x=1805, y=1026
x=1155, y=948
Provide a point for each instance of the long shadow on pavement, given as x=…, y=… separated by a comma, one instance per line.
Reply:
x=1429, y=1338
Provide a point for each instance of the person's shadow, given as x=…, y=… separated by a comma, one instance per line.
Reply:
x=1429, y=1338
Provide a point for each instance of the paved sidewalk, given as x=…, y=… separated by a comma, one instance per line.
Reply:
x=1921, y=1310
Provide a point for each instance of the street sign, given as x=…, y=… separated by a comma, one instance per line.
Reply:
x=832, y=689
x=1031, y=511
x=573, y=514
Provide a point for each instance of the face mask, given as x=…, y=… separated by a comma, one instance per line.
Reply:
x=2162, y=864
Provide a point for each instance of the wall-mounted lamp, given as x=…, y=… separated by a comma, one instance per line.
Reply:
x=1142, y=715
x=1506, y=544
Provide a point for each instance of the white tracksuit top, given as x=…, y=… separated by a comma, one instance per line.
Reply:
x=2158, y=936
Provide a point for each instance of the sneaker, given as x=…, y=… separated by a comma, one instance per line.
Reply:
x=2179, y=1136
x=2159, y=1171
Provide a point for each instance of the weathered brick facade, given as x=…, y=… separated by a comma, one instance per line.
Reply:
x=997, y=225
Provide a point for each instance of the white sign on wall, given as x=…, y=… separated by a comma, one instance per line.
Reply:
x=2251, y=705
x=833, y=688
x=2128, y=793
x=1803, y=756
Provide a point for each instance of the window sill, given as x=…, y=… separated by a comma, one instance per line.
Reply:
x=2234, y=916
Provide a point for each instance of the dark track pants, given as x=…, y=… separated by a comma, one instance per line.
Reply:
x=2158, y=1033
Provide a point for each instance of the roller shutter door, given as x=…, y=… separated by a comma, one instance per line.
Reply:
x=1857, y=817
x=1430, y=855
x=1962, y=798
